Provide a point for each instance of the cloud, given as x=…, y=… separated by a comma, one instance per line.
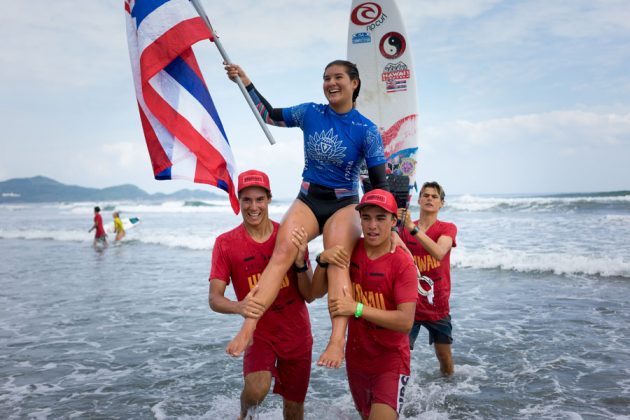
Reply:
x=75, y=43
x=557, y=151
x=500, y=21
x=276, y=37
x=483, y=45
x=578, y=128
x=123, y=155
x=283, y=162
x=416, y=12
x=62, y=43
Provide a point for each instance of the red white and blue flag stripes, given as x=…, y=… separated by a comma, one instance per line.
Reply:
x=183, y=132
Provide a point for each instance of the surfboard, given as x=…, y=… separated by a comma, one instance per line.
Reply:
x=379, y=45
x=128, y=223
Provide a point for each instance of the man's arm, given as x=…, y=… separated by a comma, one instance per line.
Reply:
x=304, y=284
x=217, y=300
x=399, y=319
x=336, y=255
x=304, y=278
x=319, y=283
x=221, y=304
x=436, y=249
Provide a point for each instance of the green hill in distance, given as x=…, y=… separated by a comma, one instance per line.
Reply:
x=40, y=189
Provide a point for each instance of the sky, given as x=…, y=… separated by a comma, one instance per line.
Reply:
x=515, y=97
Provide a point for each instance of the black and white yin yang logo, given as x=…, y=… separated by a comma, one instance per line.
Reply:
x=392, y=45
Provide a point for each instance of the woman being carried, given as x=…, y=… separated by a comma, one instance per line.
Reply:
x=337, y=140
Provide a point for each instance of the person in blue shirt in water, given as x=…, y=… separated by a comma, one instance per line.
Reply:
x=337, y=140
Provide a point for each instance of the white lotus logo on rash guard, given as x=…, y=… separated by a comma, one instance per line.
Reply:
x=325, y=147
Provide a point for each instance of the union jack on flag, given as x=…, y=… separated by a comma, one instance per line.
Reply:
x=183, y=132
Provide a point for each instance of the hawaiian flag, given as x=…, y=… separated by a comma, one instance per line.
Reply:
x=184, y=134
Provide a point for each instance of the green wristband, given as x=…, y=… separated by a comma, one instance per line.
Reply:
x=414, y=231
x=359, y=310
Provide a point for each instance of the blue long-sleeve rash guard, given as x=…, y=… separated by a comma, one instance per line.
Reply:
x=335, y=145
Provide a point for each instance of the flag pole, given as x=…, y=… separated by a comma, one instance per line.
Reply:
x=227, y=60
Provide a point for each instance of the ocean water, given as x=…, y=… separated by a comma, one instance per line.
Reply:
x=540, y=311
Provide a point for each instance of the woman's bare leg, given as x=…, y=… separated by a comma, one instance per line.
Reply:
x=283, y=256
x=343, y=228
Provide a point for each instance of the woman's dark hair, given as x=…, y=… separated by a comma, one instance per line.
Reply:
x=353, y=73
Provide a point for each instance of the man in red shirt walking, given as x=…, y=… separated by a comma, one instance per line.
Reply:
x=382, y=303
x=100, y=237
x=282, y=340
x=430, y=241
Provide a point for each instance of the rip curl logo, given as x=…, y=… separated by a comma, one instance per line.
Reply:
x=366, y=13
x=325, y=147
x=369, y=14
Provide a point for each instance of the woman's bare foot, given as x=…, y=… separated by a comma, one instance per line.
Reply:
x=333, y=356
x=242, y=340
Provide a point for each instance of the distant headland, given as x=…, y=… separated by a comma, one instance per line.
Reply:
x=40, y=189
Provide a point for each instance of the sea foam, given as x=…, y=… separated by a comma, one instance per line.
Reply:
x=557, y=263
x=475, y=203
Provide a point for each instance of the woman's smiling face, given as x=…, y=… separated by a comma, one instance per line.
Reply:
x=338, y=88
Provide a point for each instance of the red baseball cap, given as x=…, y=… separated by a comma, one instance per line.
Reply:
x=253, y=178
x=381, y=198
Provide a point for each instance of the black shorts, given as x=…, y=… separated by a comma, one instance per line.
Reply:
x=324, y=201
x=440, y=331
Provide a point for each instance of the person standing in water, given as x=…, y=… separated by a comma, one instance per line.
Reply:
x=282, y=343
x=119, y=229
x=430, y=241
x=383, y=301
x=100, y=237
x=337, y=140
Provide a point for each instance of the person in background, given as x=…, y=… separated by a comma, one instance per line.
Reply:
x=381, y=305
x=119, y=229
x=100, y=237
x=430, y=241
x=282, y=343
